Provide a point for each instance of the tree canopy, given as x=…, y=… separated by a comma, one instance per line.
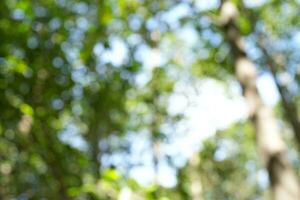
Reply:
x=90, y=95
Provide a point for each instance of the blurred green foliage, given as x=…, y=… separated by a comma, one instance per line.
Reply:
x=56, y=85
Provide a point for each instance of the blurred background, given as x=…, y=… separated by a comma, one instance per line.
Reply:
x=139, y=99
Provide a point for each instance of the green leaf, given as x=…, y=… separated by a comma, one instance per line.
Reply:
x=26, y=109
x=111, y=175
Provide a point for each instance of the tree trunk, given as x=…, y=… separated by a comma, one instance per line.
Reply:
x=290, y=108
x=284, y=184
x=196, y=185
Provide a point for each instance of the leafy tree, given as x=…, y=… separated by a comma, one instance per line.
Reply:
x=74, y=76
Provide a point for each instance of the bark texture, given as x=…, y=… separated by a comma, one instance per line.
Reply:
x=284, y=184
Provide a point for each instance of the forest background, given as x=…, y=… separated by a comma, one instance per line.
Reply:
x=149, y=99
